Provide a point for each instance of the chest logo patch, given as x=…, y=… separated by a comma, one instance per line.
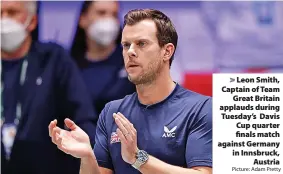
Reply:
x=114, y=138
x=169, y=133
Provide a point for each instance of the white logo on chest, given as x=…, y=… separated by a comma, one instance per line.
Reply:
x=169, y=133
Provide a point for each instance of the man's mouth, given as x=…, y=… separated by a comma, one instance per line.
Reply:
x=132, y=65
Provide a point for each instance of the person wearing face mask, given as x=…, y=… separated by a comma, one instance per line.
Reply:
x=40, y=83
x=97, y=52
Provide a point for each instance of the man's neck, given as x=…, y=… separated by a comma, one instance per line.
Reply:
x=98, y=53
x=20, y=52
x=156, y=91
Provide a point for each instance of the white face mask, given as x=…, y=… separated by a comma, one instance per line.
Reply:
x=104, y=31
x=13, y=34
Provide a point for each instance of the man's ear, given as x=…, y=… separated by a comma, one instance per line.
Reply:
x=33, y=23
x=168, y=51
x=83, y=21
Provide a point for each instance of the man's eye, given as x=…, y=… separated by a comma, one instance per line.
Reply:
x=126, y=45
x=141, y=44
x=12, y=12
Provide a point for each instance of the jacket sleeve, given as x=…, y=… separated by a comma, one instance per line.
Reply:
x=76, y=101
x=101, y=147
x=199, y=140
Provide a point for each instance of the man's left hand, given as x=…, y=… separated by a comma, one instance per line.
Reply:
x=128, y=136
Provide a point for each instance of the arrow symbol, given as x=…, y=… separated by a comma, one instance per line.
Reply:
x=232, y=79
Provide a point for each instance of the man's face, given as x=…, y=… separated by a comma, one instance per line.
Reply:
x=14, y=10
x=99, y=10
x=142, y=53
x=17, y=10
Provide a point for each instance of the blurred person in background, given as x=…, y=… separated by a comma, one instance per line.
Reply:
x=248, y=35
x=40, y=83
x=97, y=51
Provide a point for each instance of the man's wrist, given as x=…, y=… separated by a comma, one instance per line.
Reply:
x=141, y=158
x=135, y=157
x=89, y=155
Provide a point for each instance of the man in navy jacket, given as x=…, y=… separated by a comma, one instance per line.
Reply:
x=163, y=128
x=39, y=83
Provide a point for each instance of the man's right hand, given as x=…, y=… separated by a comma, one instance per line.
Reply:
x=74, y=142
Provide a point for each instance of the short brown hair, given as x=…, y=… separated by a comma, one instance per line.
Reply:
x=166, y=32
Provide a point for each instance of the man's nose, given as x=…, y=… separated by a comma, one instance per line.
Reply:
x=132, y=52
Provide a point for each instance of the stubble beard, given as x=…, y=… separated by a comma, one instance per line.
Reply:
x=149, y=75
